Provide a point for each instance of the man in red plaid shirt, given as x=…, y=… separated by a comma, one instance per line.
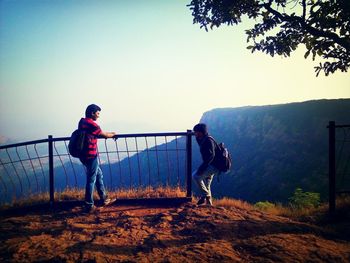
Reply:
x=94, y=175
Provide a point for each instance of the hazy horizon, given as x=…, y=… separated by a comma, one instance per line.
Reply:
x=135, y=127
x=145, y=63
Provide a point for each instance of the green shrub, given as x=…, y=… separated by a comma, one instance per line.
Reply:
x=264, y=205
x=301, y=199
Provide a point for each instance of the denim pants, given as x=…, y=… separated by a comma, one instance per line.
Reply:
x=93, y=176
x=204, y=179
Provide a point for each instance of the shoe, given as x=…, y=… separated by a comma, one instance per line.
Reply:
x=201, y=200
x=108, y=201
x=209, y=200
x=90, y=209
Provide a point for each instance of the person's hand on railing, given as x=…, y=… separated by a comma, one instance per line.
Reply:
x=112, y=135
x=108, y=134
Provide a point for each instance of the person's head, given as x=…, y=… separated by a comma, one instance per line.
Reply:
x=92, y=111
x=200, y=130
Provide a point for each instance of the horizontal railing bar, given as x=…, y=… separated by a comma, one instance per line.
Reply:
x=151, y=134
x=133, y=151
x=133, y=135
x=117, y=136
x=23, y=144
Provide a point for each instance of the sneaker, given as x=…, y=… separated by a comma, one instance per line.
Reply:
x=108, y=201
x=201, y=200
x=209, y=200
x=90, y=209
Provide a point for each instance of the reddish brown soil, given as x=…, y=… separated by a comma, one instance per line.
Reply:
x=149, y=234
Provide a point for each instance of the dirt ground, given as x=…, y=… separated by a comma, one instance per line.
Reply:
x=164, y=234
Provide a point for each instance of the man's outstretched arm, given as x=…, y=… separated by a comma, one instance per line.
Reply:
x=107, y=134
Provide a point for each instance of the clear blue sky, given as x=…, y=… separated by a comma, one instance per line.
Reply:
x=143, y=62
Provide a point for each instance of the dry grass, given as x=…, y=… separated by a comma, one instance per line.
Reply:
x=311, y=214
x=304, y=214
x=275, y=209
x=78, y=194
x=287, y=211
x=149, y=192
x=292, y=212
x=295, y=213
x=32, y=199
x=229, y=202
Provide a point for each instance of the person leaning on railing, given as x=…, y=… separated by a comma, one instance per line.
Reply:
x=203, y=176
x=94, y=175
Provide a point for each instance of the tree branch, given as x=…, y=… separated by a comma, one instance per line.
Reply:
x=304, y=9
x=345, y=43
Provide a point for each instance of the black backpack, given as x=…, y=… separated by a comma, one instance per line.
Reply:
x=222, y=156
x=77, y=143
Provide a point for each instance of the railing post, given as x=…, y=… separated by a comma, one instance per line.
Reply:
x=331, y=167
x=51, y=171
x=189, y=162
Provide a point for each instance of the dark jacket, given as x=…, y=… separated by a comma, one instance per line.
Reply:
x=207, y=148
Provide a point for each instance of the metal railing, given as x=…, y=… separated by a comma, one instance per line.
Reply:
x=132, y=161
x=339, y=161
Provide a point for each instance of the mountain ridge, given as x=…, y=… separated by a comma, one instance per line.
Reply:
x=276, y=148
x=277, y=104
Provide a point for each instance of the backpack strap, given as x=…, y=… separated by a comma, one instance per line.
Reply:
x=216, y=144
x=205, y=139
x=216, y=148
x=211, y=138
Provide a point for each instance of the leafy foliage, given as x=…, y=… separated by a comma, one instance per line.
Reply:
x=323, y=26
x=302, y=199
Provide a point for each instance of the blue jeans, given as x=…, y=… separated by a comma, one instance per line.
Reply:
x=204, y=179
x=93, y=176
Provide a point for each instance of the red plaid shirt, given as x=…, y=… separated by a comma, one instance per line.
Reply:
x=92, y=131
